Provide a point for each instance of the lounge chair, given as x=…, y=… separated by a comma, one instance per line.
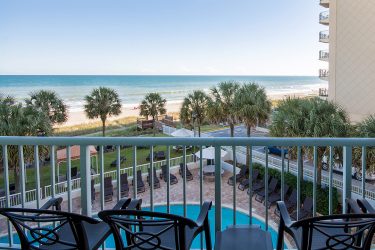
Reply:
x=260, y=194
x=74, y=174
x=276, y=196
x=124, y=185
x=244, y=173
x=290, y=203
x=305, y=211
x=244, y=184
x=189, y=175
x=122, y=160
x=140, y=184
x=258, y=185
x=156, y=179
x=343, y=231
x=163, y=175
x=108, y=188
x=60, y=230
x=154, y=230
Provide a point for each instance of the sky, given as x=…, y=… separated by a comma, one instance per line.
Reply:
x=152, y=37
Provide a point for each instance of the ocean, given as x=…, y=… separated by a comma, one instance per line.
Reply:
x=132, y=89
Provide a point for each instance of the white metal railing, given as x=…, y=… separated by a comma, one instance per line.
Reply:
x=324, y=36
x=62, y=187
x=239, y=144
x=324, y=17
x=324, y=55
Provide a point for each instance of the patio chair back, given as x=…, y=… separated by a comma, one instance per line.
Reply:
x=41, y=229
x=273, y=184
x=74, y=172
x=148, y=230
x=345, y=231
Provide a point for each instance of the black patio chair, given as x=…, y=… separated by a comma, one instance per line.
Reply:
x=366, y=206
x=260, y=194
x=244, y=184
x=343, y=231
x=108, y=188
x=49, y=229
x=140, y=184
x=276, y=196
x=156, y=179
x=74, y=174
x=305, y=211
x=53, y=203
x=124, y=185
x=154, y=230
x=189, y=175
x=244, y=173
x=163, y=175
x=258, y=185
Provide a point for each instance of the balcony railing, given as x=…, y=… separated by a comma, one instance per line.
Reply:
x=324, y=3
x=324, y=55
x=323, y=92
x=324, y=74
x=234, y=148
x=324, y=36
x=324, y=18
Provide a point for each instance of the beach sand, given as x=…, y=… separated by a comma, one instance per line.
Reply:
x=79, y=117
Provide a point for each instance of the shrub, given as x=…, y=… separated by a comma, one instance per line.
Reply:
x=306, y=189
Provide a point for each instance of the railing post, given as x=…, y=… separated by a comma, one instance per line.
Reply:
x=347, y=176
x=217, y=189
x=85, y=180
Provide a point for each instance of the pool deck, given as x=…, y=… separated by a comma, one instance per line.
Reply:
x=192, y=196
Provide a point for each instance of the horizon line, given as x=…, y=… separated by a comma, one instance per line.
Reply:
x=153, y=75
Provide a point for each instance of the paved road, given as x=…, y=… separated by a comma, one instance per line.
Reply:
x=240, y=131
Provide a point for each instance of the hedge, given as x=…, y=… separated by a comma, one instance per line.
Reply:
x=306, y=189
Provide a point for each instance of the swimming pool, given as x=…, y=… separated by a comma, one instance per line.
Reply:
x=193, y=212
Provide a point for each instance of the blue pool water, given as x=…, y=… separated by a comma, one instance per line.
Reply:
x=192, y=212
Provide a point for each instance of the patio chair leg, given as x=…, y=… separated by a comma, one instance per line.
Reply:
x=207, y=235
x=280, y=235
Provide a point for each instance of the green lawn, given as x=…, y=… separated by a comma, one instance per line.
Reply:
x=45, y=171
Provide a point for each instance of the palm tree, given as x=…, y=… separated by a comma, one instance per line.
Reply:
x=310, y=118
x=153, y=105
x=222, y=108
x=366, y=129
x=49, y=103
x=194, y=109
x=102, y=103
x=19, y=120
x=253, y=107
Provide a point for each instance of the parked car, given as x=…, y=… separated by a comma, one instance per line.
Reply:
x=276, y=151
x=338, y=168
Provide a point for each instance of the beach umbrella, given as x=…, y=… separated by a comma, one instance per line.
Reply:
x=183, y=132
x=209, y=153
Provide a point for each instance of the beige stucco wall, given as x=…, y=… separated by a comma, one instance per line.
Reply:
x=352, y=56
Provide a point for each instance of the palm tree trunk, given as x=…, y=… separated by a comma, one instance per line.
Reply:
x=248, y=128
x=153, y=126
x=17, y=177
x=103, y=127
x=231, y=125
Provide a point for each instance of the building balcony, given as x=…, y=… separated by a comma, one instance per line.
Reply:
x=324, y=74
x=324, y=18
x=324, y=55
x=211, y=162
x=323, y=92
x=324, y=36
x=324, y=3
